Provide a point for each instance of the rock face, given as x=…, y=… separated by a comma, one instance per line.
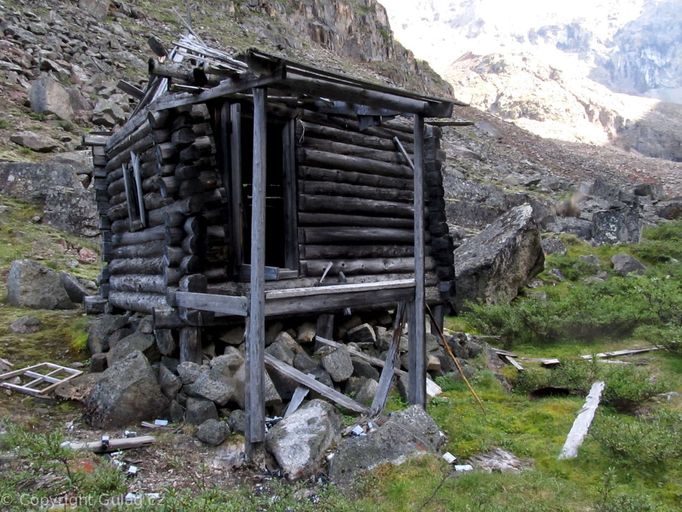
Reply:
x=126, y=393
x=299, y=441
x=32, y=285
x=406, y=434
x=72, y=209
x=33, y=181
x=491, y=266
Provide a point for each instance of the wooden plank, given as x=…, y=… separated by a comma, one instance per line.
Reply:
x=619, y=353
x=271, y=273
x=342, y=219
x=310, y=382
x=236, y=183
x=255, y=343
x=355, y=235
x=113, y=445
x=417, y=345
x=340, y=288
x=582, y=422
x=299, y=395
x=130, y=89
x=513, y=362
x=223, y=305
x=386, y=378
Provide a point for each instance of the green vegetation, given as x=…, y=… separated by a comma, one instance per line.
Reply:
x=578, y=308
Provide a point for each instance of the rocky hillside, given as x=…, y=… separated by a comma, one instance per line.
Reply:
x=560, y=70
x=77, y=51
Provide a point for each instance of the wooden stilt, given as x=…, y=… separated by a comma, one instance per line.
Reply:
x=417, y=347
x=190, y=345
x=255, y=343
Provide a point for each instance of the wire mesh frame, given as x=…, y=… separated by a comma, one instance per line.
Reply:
x=43, y=378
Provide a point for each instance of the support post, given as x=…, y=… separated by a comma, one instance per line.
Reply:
x=255, y=341
x=190, y=345
x=417, y=347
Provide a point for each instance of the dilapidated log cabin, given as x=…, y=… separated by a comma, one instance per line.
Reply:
x=255, y=187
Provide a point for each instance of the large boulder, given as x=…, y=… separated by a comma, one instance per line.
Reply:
x=618, y=225
x=32, y=285
x=72, y=209
x=96, y=8
x=300, y=440
x=32, y=181
x=48, y=96
x=624, y=264
x=101, y=328
x=126, y=393
x=38, y=142
x=136, y=341
x=492, y=266
x=405, y=434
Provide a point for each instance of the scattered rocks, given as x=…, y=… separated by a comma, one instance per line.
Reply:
x=405, y=434
x=96, y=8
x=492, y=266
x=32, y=285
x=337, y=362
x=213, y=432
x=126, y=393
x=38, y=142
x=299, y=441
x=624, y=264
x=25, y=325
x=100, y=329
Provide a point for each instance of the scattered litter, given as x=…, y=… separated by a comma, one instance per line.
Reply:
x=330, y=456
x=357, y=430
x=161, y=423
x=461, y=468
x=136, y=497
x=105, y=442
x=271, y=422
x=132, y=470
x=130, y=433
x=371, y=426
x=449, y=458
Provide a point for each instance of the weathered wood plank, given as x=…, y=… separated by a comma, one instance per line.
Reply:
x=619, y=353
x=582, y=422
x=334, y=289
x=310, y=382
x=227, y=305
x=386, y=378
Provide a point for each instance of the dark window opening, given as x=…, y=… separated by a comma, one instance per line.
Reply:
x=132, y=181
x=275, y=242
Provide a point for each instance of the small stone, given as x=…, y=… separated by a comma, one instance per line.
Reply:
x=25, y=325
x=306, y=333
x=363, y=333
x=625, y=264
x=365, y=395
x=189, y=372
x=237, y=421
x=280, y=351
x=337, y=362
x=213, y=432
x=169, y=382
x=198, y=411
x=98, y=363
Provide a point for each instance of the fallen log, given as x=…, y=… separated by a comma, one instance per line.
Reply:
x=112, y=445
x=582, y=423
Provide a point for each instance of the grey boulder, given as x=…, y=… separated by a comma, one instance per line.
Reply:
x=624, y=264
x=145, y=343
x=126, y=393
x=300, y=440
x=405, y=434
x=213, y=432
x=492, y=266
x=32, y=285
x=199, y=410
x=25, y=325
x=337, y=362
x=38, y=142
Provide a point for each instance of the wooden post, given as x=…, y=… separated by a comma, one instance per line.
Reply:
x=417, y=346
x=190, y=345
x=438, y=319
x=235, y=185
x=255, y=342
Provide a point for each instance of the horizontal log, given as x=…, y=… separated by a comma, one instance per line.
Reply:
x=330, y=252
x=341, y=219
x=315, y=203
x=358, y=191
x=140, y=302
x=314, y=157
x=353, y=178
x=172, y=256
x=347, y=136
x=142, y=131
x=363, y=266
x=363, y=236
x=152, y=201
x=138, y=283
x=351, y=123
x=154, y=248
x=171, y=237
x=123, y=156
x=166, y=318
x=333, y=146
x=145, y=266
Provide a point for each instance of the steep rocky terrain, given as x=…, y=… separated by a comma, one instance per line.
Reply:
x=560, y=70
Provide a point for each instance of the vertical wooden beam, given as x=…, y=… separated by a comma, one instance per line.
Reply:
x=417, y=346
x=190, y=345
x=290, y=203
x=438, y=319
x=236, y=186
x=255, y=342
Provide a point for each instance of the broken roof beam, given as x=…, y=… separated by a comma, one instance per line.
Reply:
x=366, y=96
x=225, y=88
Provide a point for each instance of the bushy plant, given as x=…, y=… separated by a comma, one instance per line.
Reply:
x=652, y=441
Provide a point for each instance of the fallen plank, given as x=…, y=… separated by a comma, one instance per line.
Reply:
x=619, y=353
x=311, y=383
x=546, y=362
x=386, y=378
x=114, y=445
x=582, y=422
x=512, y=361
x=501, y=352
x=432, y=389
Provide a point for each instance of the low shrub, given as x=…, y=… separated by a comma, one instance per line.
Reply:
x=652, y=441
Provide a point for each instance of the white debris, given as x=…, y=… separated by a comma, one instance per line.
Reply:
x=463, y=467
x=449, y=458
